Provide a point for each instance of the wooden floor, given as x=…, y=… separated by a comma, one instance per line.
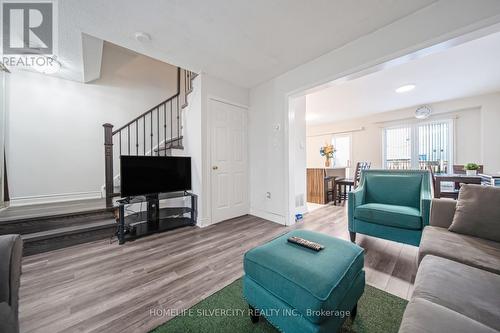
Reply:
x=103, y=287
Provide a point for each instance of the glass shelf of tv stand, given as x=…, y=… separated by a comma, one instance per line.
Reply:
x=168, y=217
x=161, y=196
x=165, y=212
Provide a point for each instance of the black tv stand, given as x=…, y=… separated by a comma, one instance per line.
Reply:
x=153, y=210
x=155, y=218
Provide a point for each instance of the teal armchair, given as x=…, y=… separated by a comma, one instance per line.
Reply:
x=391, y=204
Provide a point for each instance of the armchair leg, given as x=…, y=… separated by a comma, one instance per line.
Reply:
x=352, y=235
x=354, y=311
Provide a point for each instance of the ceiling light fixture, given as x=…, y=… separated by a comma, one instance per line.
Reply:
x=423, y=112
x=405, y=88
x=142, y=37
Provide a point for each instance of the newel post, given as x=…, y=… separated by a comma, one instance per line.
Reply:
x=108, y=163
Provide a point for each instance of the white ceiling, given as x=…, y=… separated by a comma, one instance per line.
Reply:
x=244, y=42
x=469, y=69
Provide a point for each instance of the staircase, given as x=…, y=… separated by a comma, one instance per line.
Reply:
x=156, y=132
x=47, y=227
x=53, y=226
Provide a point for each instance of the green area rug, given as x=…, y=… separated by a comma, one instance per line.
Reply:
x=378, y=311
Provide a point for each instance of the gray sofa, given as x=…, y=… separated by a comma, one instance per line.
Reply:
x=457, y=287
x=11, y=251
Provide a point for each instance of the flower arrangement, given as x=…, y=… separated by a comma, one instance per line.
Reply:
x=327, y=151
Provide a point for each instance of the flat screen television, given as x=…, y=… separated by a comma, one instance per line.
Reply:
x=143, y=175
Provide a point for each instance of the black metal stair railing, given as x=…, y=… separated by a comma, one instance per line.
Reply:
x=153, y=133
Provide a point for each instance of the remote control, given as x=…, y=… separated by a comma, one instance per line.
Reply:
x=306, y=243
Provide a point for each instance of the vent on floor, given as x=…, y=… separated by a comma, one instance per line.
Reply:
x=299, y=200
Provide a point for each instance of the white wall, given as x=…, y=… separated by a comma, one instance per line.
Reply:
x=270, y=162
x=474, y=138
x=192, y=142
x=490, y=121
x=298, y=135
x=55, y=135
x=313, y=144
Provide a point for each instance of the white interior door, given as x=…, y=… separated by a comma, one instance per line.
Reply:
x=229, y=161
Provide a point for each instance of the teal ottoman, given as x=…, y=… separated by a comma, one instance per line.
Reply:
x=300, y=290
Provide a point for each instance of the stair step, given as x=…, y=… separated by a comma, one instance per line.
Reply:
x=49, y=209
x=68, y=230
x=44, y=222
x=54, y=239
x=51, y=226
x=169, y=147
x=174, y=143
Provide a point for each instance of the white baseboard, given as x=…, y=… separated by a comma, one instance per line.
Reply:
x=268, y=216
x=48, y=198
x=301, y=210
x=203, y=222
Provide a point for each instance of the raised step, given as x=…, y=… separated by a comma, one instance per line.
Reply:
x=174, y=143
x=40, y=223
x=63, y=237
x=46, y=227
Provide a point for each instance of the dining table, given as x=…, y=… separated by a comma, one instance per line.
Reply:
x=454, y=178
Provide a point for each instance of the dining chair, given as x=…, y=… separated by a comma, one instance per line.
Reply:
x=330, y=188
x=349, y=182
x=443, y=194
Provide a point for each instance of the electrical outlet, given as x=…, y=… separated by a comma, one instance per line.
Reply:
x=268, y=195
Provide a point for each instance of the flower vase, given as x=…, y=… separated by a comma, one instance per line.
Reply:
x=327, y=163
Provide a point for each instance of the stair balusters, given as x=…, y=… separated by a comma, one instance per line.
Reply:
x=147, y=132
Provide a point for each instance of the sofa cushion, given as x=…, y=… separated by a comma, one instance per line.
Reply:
x=390, y=215
x=393, y=189
x=8, y=318
x=472, y=251
x=478, y=212
x=469, y=291
x=303, y=278
x=422, y=316
x=11, y=251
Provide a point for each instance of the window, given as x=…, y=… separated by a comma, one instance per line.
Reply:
x=419, y=146
x=434, y=144
x=398, y=148
x=342, y=145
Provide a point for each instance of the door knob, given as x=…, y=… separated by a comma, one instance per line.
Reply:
x=215, y=167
